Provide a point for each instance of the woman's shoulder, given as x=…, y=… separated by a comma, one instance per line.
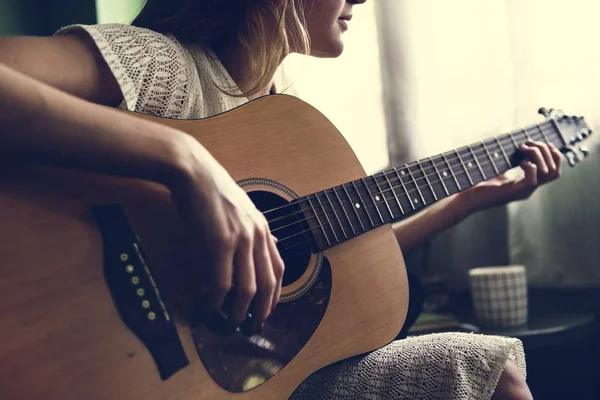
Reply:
x=151, y=68
x=126, y=40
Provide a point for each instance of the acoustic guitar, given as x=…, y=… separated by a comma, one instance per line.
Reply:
x=92, y=304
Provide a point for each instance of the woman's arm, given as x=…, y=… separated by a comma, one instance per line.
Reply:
x=46, y=118
x=70, y=63
x=424, y=225
x=41, y=124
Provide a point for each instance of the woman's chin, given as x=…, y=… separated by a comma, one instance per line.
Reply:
x=332, y=49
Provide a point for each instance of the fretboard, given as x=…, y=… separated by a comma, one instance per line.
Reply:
x=353, y=208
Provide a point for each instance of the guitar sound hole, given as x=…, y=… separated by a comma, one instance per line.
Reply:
x=288, y=223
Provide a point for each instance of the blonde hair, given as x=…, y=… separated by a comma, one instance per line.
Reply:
x=267, y=30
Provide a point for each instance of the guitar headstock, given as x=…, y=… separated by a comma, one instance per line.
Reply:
x=572, y=131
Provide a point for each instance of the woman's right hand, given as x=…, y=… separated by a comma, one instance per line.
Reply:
x=42, y=115
x=240, y=252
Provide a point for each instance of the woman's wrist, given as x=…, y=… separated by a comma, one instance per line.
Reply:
x=462, y=205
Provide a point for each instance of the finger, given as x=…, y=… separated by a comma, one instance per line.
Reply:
x=278, y=271
x=265, y=282
x=557, y=156
x=222, y=259
x=530, y=180
x=244, y=278
x=535, y=156
x=547, y=156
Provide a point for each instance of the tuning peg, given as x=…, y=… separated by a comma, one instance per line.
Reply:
x=545, y=112
x=573, y=140
x=563, y=118
x=584, y=151
x=571, y=158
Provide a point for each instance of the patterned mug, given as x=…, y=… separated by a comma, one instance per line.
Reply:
x=499, y=295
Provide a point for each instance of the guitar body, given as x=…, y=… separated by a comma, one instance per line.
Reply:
x=62, y=335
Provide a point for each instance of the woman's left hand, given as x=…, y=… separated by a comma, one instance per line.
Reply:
x=542, y=165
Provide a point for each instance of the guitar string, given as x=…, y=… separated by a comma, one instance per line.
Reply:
x=507, y=139
x=454, y=155
x=405, y=195
x=402, y=186
x=349, y=221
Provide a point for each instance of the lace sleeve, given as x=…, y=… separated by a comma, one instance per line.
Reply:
x=153, y=70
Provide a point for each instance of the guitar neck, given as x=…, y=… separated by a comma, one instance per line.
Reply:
x=353, y=208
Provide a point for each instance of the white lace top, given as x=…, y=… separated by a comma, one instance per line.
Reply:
x=159, y=75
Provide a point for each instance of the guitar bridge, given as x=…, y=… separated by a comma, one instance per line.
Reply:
x=135, y=292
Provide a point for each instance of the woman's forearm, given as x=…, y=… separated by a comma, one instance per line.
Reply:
x=438, y=217
x=41, y=124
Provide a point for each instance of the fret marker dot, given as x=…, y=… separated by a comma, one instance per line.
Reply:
x=402, y=173
x=445, y=173
x=416, y=201
x=377, y=198
x=470, y=165
x=357, y=205
x=496, y=155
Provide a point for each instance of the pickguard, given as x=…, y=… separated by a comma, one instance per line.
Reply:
x=238, y=363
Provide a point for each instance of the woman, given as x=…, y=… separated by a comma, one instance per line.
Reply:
x=196, y=58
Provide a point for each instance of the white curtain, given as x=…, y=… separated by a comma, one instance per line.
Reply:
x=462, y=70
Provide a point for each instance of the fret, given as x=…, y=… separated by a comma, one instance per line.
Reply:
x=435, y=198
x=384, y=198
x=477, y=162
x=326, y=213
x=345, y=212
x=451, y=171
x=321, y=225
x=354, y=208
x=372, y=199
x=412, y=177
x=394, y=192
x=413, y=193
x=541, y=129
x=538, y=133
x=418, y=177
x=363, y=203
x=485, y=159
x=508, y=163
x=526, y=134
x=336, y=215
x=514, y=141
x=437, y=171
x=490, y=157
x=404, y=188
x=555, y=135
x=472, y=167
x=464, y=167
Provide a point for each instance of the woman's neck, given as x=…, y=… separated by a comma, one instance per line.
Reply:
x=234, y=59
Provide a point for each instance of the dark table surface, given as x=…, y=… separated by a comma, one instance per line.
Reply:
x=556, y=317
x=544, y=328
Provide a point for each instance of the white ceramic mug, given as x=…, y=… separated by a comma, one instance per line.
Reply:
x=499, y=295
